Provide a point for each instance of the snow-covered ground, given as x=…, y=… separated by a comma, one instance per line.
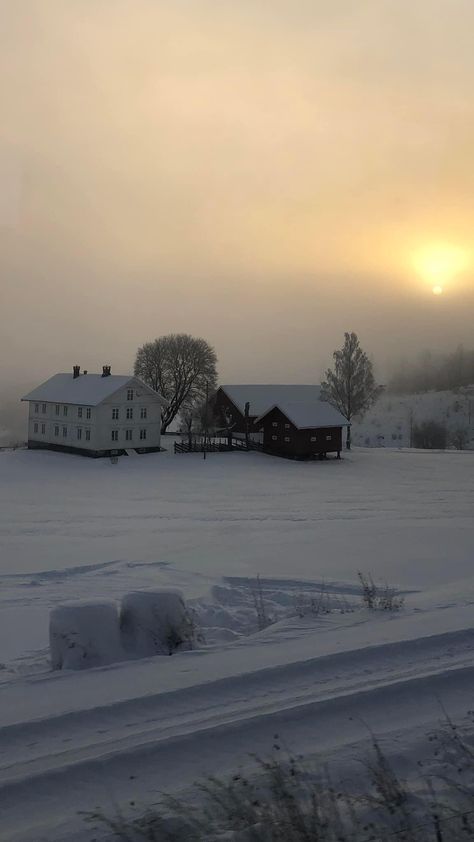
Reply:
x=73, y=528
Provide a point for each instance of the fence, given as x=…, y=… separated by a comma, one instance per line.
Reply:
x=200, y=445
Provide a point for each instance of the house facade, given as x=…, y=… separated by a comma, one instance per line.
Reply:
x=303, y=430
x=228, y=404
x=94, y=414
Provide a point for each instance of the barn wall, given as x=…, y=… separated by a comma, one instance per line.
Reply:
x=277, y=428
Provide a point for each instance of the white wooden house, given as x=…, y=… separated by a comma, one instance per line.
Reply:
x=94, y=414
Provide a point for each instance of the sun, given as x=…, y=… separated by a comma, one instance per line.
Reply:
x=439, y=264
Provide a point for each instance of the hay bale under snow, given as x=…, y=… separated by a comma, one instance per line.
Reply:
x=84, y=634
x=155, y=622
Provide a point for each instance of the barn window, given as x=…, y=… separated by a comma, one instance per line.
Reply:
x=56, y=430
x=64, y=432
x=143, y=412
x=143, y=434
x=79, y=411
x=114, y=435
x=35, y=428
x=57, y=409
x=130, y=412
x=274, y=438
x=130, y=394
x=88, y=412
x=115, y=413
x=328, y=438
x=287, y=438
x=274, y=423
x=88, y=435
x=79, y=432
x=287, y=426
x=128, y=435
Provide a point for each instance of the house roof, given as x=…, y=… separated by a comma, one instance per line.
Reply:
x=307, y=415
x=261, y=397
x=90, y=389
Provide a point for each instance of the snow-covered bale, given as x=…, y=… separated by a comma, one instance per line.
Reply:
x=84, y=634
x=155, y=622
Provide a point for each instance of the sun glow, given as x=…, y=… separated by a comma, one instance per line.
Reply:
x=439, y=264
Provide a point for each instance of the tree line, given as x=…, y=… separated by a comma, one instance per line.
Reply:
x=434, y=372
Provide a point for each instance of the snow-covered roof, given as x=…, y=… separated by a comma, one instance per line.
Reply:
x=90, y=389
x=309, y=414
x=262, y=397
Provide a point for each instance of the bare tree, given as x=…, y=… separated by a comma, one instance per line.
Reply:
x=178, y=366
x=350, y=386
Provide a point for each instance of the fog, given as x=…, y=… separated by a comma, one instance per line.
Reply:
x=258, y=173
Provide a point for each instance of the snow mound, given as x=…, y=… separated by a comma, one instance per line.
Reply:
x=155, y=622
x=84, y=634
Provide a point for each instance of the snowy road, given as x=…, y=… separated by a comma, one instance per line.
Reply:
x=77, y=760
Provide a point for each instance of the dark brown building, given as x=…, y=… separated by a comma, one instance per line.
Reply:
x=302, y=430
x=229, y=402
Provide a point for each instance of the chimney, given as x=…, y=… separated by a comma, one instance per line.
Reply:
x=106, y=371
x=76, y=370
x=85, y=371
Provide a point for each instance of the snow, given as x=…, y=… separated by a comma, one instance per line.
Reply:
x=87, y=389
x=263, y=396
x=84, y=634
x=73, y=529
x=309, y=414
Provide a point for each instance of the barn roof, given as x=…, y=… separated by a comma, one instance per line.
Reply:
x=262, y=397
x=90, y=389
x=306, y=415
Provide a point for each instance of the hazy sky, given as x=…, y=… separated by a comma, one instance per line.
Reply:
x=257, y=172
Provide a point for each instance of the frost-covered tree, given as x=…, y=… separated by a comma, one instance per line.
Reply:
x=350, y=385
x=179, y=366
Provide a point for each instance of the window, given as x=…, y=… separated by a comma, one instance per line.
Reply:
x=128, y=435
x=287, y=426
x=79, y=432
x=313, y=438
x=79, y=411
x=115, y=414
x=130, y=394
x=88, y=412
x=57, y=409
x=287, y=438
x=64, y=411
x=143, y=434
x=328, y=438
x=35, y=428
x=43, y=429
x=274, y=438
x=88, y=435
x=37, y=407
x=114, y=435
x=143, y=412
x=64, y=432
x=130, y=412
x=56, y=430
x=43, y=409
x=274, y=423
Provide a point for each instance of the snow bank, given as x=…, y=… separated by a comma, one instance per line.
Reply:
x=155, y=622
x=84, y=634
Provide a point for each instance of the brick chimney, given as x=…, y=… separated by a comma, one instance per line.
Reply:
x=106, y=371
x=76, y=370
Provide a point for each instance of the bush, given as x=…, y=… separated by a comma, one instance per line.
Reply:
x=379, y=598
x=430, y=435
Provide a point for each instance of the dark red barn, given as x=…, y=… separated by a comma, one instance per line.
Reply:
x=302, y=430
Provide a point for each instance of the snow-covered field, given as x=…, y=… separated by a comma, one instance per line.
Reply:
x=72, y=528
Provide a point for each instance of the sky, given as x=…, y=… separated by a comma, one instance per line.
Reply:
x=263, y=173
